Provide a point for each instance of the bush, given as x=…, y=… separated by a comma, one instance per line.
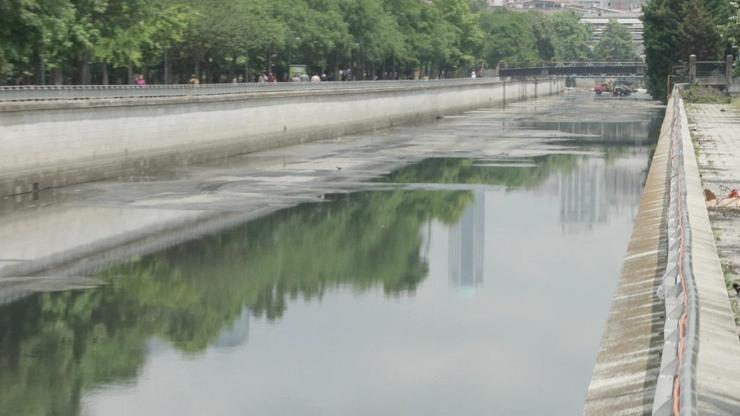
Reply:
x=699, y=94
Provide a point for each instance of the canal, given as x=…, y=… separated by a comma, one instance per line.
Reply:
x=459, y=281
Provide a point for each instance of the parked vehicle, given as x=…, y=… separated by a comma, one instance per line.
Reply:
x=616, y=88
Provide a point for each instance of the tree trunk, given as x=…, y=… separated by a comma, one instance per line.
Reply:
x=336, y=66
x=206, y=69
x=84, y=70
x=104, y=74
x=232, y=70
x=56, y=76
x=269, y=59
x=130, y=69
x=246, y=69
x=40, y=67
x=167, y=67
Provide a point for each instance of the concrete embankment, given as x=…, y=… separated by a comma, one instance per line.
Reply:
x=630, y=359
x=57, y=143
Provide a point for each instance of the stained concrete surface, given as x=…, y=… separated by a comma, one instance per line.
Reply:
x=70, y=230
x=627, y=366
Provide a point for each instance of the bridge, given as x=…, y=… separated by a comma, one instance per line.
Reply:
x=574, y=69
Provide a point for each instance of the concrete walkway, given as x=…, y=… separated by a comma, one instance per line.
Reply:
x=718, y=359
x=716, y=132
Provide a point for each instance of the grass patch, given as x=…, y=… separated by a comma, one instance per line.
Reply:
x=699, y=94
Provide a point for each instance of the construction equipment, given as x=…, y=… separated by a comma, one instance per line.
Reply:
x=616, y=88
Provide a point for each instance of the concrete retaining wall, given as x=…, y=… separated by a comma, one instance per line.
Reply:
x=629, y=360
x=49, y=144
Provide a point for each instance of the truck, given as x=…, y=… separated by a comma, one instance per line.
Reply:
x=616, y=88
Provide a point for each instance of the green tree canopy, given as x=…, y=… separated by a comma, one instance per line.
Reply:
x=509, y=38
x=676, y=29
x=572, y=38
x=106, y=41
x=615, y=44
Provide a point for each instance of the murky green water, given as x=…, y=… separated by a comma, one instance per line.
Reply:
x=476, y=287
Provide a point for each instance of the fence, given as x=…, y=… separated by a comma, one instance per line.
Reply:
x=712, y=73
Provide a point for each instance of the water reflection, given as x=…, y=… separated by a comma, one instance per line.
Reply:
x=531, y=172
x=598, y=189
x=337, y=308
x=637, y=132
x=194, y=295
x=467, y=245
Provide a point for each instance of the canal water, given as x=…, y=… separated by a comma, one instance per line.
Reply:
x=451, y=286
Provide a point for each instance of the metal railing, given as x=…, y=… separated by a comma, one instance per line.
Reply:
x=675, y=392
x=715, y=73
x=566, y=64
x=90, y=92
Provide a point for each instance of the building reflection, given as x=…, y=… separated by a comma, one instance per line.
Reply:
x=235, y=334
x=597, y=189
x=466, y=245
x=633, y=132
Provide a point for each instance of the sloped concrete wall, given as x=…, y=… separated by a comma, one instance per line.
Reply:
x=49, y=144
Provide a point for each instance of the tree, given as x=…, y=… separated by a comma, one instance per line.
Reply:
x=572, y=38
x=698, y=32
x=99, y=41
x=544, y=33
x=509, y=38
x=731, y=29
x=674, y=30
x=661, y=45
x=615, y=44
x=468, y=37
x=128, y=38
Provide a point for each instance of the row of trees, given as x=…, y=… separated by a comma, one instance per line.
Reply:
x=676, y=29
x=108, y=41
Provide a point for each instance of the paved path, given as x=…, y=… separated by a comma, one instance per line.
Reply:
x=716, y=132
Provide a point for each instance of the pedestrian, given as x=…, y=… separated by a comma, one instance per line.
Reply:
x=140, y=81
x=271, y=78
x=473, y=74
x=194, y=80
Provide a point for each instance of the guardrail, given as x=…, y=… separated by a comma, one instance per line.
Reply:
x=574, y=63
x=573, y=68
x=675, y=392
x=90, y=92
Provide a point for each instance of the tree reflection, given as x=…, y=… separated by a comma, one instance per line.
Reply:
x=470, y=171
x=55, y=346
